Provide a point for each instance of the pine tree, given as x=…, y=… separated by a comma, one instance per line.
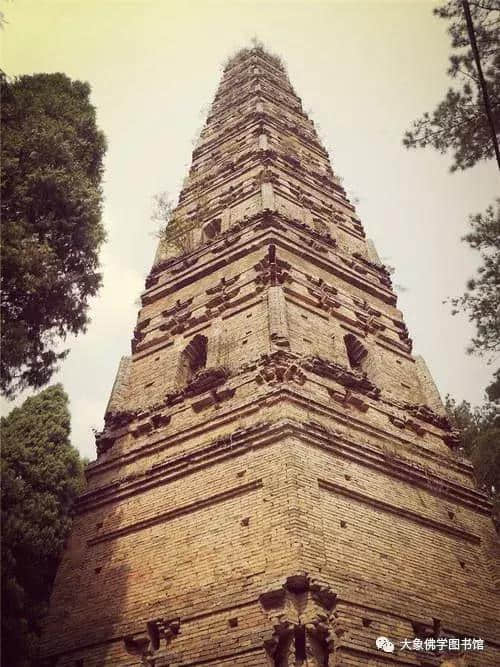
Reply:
x=41, y=476
x=459, y=123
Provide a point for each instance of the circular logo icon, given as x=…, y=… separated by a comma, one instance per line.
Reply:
x=384, y=644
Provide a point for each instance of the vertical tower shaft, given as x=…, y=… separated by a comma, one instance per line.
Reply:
x=275, y=483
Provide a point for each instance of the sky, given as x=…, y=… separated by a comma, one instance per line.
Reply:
x=364, y=71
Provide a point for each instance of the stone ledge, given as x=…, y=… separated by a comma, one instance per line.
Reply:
x=174, y=513
x=399, y=511
x=265, y=434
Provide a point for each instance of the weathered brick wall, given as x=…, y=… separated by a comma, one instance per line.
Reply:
x=275, y=482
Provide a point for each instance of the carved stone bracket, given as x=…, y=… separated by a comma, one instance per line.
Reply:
x=149, y=423
x=140, y=423
x=214, y=397
x=182, y=322
x=402, y=333
x=302, y=624
x=221, y=299
x=402, y=422
x=415, y=426
x=166, y=264
x=278, y=367
x=148, y=644
x=177, y=308
x=117, y=424
x=271, y=270
x=322, y=285
x=452, y=439
x=223, y=285
x=349, y=378
x=319, y=240
x=206, y=379
x=184, y=264
x=268, y=219
x=347, y=398
x=285, y=366
x=263, y=219
x=178, y=319
x=115, y=420
x=370, y=323
x=399, y=422
x=380, y=268
x=225, y=242
x=425, y=413
x=324, y=293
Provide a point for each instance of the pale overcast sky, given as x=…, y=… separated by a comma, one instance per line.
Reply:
x=364, y=71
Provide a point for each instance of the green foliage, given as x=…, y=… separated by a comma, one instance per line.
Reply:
x=256, y=46
x=493, y=390
x=459, y=123
x=41, y=476
x=52, y=157
x=175, y=231
x=481, y=300
x=480, y=441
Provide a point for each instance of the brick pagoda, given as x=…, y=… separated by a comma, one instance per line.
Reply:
x=275, y=483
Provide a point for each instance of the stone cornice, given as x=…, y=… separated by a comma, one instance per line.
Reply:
x=264, y=434
x=181, y=263
x=247, y=160
x=257, y=114
x=189, y=508
x=357, y=392
x=254, y=116
x=237, y=86
x=226, y=305
x=200, y=608
x=274, y=223
x=289, y=102
x=415, y=517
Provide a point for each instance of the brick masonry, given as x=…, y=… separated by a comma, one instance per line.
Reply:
x=275, y=483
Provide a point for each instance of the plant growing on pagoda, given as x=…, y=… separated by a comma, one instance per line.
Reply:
x=176, y=232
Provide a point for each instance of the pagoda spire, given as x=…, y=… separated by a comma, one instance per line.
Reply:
x=276, y=482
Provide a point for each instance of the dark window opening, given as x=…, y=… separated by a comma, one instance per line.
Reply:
x=211, y=230
x=193, y=358
x=356, y=351
x=300, y=645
